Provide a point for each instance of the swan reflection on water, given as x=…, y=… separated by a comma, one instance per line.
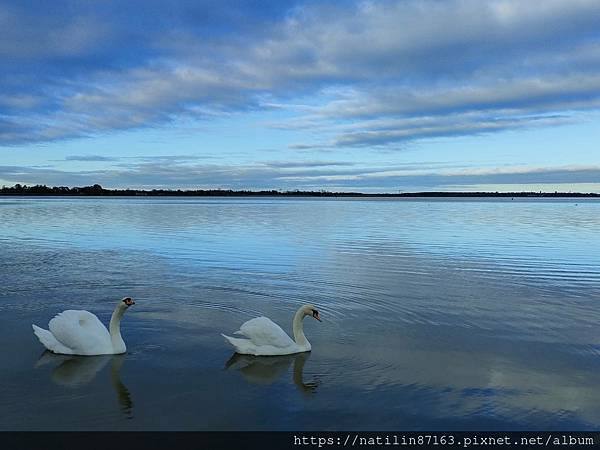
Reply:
x=268, y=369
x=76, y=371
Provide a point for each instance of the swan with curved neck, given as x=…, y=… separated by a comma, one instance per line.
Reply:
x=266, y=338
x=76, y=332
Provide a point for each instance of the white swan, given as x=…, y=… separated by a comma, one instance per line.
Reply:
x=81, y=333
x=266, y=338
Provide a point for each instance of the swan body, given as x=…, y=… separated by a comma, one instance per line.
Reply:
x=76, y=332
x=263, y=337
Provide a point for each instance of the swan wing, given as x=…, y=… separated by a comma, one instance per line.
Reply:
x=263, y=331
x=81, y=331
x=50, y=342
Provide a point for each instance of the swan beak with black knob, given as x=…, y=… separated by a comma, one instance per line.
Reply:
x=315, y=315
x=128, y=301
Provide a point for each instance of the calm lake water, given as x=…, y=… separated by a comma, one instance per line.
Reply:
x=437, y=314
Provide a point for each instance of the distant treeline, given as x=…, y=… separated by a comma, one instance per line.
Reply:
x=97, y=190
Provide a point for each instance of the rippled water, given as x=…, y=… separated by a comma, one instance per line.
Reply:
x=437, y=314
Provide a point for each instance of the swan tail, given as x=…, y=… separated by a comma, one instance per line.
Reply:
x=49, y=341
x=230, y=339
x=240, y=345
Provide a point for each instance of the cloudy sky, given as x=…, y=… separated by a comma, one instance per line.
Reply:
x=384, y=96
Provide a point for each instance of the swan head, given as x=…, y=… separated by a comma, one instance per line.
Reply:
x=310, y=310
x=127, y=302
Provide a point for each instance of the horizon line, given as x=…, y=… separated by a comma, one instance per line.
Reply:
x=98, y=190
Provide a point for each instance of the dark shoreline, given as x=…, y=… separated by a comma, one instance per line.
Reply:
x=98, y=191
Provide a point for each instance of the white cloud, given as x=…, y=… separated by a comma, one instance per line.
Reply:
x=506, y=61
x=285, y=175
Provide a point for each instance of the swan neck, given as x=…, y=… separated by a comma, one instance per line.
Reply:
x=115, y=329
x=298, y=328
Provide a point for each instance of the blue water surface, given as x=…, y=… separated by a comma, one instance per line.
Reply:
x=438, y=314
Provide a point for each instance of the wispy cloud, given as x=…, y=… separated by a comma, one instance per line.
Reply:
x=89, y=158
x=283, y=175
x=463, y=66
x=380, y=133
x=307, y=164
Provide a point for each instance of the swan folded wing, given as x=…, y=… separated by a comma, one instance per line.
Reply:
x=263, y=331
x=50, y=342
x=81, y=331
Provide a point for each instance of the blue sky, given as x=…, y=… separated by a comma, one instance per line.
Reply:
x=367, y=96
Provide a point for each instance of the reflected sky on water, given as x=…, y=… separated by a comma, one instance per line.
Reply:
x=437, y=314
